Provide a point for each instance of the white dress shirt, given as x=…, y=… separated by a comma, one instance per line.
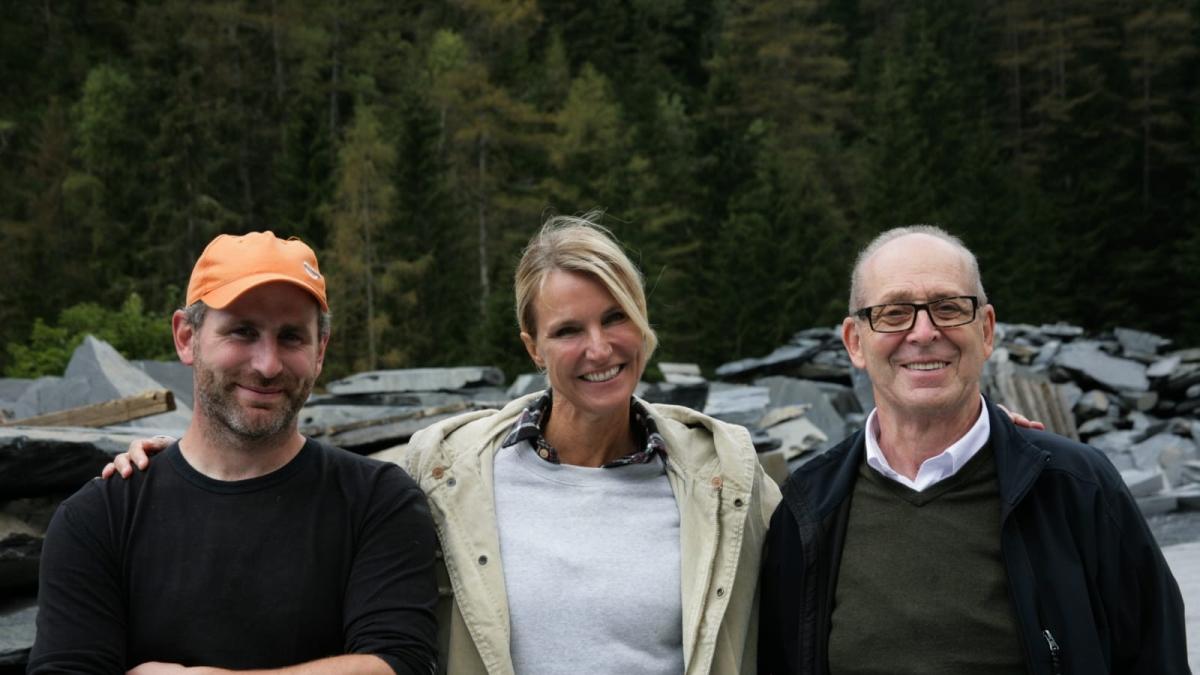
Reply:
x=938, y=467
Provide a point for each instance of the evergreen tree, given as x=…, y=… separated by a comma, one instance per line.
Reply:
x=360, y=271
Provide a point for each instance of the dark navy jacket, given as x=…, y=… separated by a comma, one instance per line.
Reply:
x=1090, y=587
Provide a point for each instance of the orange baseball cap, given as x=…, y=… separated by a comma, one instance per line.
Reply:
x=232, y=265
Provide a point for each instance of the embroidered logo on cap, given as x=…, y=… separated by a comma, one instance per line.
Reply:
x=311, y=272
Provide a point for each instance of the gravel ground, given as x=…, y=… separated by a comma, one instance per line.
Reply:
x=1179, y=527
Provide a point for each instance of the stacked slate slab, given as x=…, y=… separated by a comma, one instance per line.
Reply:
x=378, y=410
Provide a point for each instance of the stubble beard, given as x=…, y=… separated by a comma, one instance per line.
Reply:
x=228, y=417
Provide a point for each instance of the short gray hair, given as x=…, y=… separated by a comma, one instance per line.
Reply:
x=856, y=290
x=195, y=313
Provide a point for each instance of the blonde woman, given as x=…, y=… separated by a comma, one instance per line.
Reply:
x=585, y=530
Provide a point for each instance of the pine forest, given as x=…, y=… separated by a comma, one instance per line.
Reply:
x=742, y=151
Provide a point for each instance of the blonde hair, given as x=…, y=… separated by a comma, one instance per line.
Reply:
x=579, y=244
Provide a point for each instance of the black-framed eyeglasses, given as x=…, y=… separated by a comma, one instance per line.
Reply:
x=897, y=317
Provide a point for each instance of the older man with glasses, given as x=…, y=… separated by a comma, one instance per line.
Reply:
x=942, y=538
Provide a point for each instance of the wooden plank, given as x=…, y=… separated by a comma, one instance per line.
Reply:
x=150, y=402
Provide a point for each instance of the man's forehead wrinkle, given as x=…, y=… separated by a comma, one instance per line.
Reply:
x=920, y=294
x=915, y=268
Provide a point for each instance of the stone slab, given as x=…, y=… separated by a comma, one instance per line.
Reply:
x=417, y=379
x=1191, y=472
x=1096, y=426
x=1188, y=497
x=833, y=366
x=1140, y=401
x=18, y=626
x=371, y=439
x=1167, y=451
x=110, y=376
x=788, y=355
x=1046, y=353
x=40, y=460
x=737, y=404
x=483, y=396
x=412, y=399
x=774, y=464
x=763, y=442
x=1163, y=367
x=1114, y=374
x=1115, y=441
x=1021, y=353
x=1189, y=355
x=1123, y=461
x=173, y=375
x=1061, y=330
x=20, y=551
x=1184, y=376
x=1139, y=421
x=691, y=396
x=1092, y=404
x=35, y=512
x=1157, y=504
x=789, y=391
x=797, y=436
x=1136, y=343
x=864, y=391
x=11, y=388
x=317, y=418
x=51, y=394
x=1184, y=561
x=1143, y=482
x=681, y=373
x=527, y=383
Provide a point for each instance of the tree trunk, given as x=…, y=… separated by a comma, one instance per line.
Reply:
x=1145, y=135
x=243, y=151
x=335, y=74
x=484, y=285
x=365, y=219
x=276, y=38
x=1015, y=38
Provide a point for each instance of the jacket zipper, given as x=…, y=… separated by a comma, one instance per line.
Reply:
x=1054, y=650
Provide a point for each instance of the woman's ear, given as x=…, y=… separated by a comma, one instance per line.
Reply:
x=531, y=347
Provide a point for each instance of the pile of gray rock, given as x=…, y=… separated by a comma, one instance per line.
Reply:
x=1128, y=393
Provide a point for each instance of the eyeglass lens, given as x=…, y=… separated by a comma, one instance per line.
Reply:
x=944, y=313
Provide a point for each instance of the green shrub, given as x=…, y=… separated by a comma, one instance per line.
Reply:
x=130, y=330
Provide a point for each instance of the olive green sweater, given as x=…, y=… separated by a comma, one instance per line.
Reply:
x=921, y=587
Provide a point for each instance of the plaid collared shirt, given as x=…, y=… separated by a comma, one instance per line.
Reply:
x=529, y=428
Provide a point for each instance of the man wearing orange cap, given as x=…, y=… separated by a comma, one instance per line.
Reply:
x=249, y=546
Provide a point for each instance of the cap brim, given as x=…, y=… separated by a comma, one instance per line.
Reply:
x=225, y=295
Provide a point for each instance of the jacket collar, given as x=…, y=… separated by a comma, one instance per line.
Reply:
x=1018, y=462
x=733, y=460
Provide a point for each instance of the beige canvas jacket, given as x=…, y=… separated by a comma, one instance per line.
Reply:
x=725, y=502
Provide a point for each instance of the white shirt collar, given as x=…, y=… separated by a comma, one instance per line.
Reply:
x=936, y=468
